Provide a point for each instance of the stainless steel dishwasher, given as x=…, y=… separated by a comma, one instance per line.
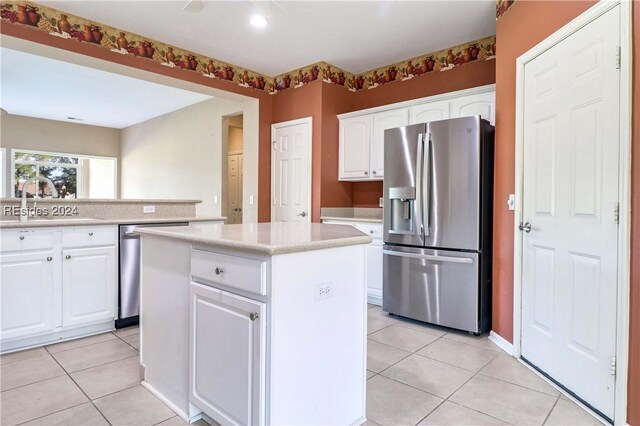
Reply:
x=129, y=269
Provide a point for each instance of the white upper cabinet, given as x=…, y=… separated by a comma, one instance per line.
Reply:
x=355, y=137
x=361, y=154
x=381, y=122
x=483, y=104
x=432, y=111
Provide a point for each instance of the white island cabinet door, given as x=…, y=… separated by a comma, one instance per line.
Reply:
x=381, y=122
x=26, y=290
x=354, y=145
x=227, y=365
x=89, y=281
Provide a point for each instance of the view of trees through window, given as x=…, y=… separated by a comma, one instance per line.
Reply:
x=61, y=169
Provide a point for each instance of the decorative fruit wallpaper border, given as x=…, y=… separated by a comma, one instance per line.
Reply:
x=67, y=26
x=502, y=6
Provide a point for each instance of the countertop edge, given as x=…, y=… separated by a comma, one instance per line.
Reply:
x=8, y=200
x=261, y=249
x=52, y=223
x=352, y=219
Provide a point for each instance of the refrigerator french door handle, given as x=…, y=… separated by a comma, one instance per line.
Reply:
x=419, y=194
x=426, y=184
x=448, y=259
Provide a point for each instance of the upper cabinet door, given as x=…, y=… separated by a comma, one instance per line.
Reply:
x=432, y=111
x=381, y=122
x=355, y=136
x=482, y=104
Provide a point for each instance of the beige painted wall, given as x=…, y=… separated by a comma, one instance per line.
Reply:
x=179, y=155
x=235, y=139
x=18, y=132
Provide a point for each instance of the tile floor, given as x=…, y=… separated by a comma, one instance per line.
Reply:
x=417, y=374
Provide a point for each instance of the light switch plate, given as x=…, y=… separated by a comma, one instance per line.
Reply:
x=215, y=199
x=148, y=209
x=251, y=199
x=381, y=202
x=511, y=202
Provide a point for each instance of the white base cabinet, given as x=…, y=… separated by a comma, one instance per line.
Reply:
x=56, y=284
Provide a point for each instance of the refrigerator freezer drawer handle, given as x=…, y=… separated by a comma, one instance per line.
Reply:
x=448, y=259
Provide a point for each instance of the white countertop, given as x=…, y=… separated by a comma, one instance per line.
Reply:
x=42, y=223
x=264, y=238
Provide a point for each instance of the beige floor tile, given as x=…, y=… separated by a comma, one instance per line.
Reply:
x=568, y=413
x=381, y=356
x=93, y=355
x=39, y=399
x=449, y=413
x=461, y=354
x=109, y=378
x=482, y=341
x=133, y=406
x=128, y=331
x=505, y=401
x=78, y=343
x=392, y=403
x=29, y=371
x=371, y=305
x=177, y=421
x=22, y=355
x=133, y=340
x=421, y=326
x=509, y=369
x=429, y=375
x=370, y=423
x=403, y=338
x=81, y=415
x=377, y=320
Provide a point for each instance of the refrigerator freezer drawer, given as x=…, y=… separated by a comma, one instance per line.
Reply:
x=436, y=286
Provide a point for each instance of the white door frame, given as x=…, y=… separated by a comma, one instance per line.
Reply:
x=274, y=127
x=624, y=228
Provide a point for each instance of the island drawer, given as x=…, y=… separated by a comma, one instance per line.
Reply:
x=89, y=236
x=249, y=275
x=20, y=240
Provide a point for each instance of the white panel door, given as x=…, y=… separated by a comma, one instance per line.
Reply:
x=89, y=282
x=227, y=373
x=381, y=122
x=26, y=293
x=234, y=189
x=291, y=173
x=354, y=148
x=569, y=263
x=483, y=104
x=432, y=111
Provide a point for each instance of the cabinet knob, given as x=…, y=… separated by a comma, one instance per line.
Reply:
x=22, y=237
x=366, y=173
x=254, y=316
x=91, y=234
x=49, y=259
x=68, y=257
x=219, y=271
x=371, y=231
x=374, y=172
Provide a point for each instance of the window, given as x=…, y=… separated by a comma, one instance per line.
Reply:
x=74, y=176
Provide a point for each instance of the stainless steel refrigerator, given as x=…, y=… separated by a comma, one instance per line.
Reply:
x=438, y=207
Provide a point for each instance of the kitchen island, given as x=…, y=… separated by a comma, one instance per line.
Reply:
x=256, y=323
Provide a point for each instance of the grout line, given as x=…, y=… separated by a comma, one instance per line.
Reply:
x=51, y=414
x=550, y=411
x=516, y=384
x=78, y=347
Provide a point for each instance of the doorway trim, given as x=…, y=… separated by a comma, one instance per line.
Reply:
x=624, y=226
x=309, y=122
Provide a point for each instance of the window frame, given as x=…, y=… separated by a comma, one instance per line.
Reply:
x=78, y=167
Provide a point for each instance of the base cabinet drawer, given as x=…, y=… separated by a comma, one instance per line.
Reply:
x=88, y=237
x=24, y=240
x=235, y=272
x=228, y=356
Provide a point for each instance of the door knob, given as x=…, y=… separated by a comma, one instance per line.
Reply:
x=303, y=214
x=526, y=227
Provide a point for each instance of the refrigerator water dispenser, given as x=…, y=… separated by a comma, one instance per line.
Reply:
x=402, y=200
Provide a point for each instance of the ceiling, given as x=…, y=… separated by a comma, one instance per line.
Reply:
x=354, y=35
x=35, y=86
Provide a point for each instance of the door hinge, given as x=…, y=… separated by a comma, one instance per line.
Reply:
x=613, y=366
x=274, y=145
x=618, y=54
x=616, y=212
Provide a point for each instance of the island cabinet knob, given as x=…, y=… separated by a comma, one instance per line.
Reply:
x=254, y=316
x=22, y=237
x=49, y=258
x=219, y=270
x=91, y=234
x=68, y=257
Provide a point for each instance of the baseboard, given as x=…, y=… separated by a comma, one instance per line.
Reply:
x=501, y=342
x=168, y=403
x=374, y=298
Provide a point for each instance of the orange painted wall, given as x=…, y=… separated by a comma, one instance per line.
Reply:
x=524, y=25
x=367, y=194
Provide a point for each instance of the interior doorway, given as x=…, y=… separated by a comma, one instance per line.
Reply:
x=233, y=136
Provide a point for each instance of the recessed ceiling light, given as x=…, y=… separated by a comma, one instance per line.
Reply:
x=258, y=21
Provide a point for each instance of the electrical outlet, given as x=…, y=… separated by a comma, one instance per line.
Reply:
x=215, y=199
x=381, y=202
x=323, y=291
x=148, y=209
x=511, y=202
x=251, y=200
